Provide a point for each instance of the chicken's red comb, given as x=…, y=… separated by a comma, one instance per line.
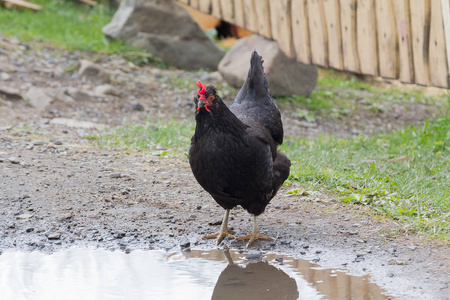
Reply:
x=201, y=92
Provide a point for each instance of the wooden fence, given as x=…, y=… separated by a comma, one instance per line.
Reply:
x=407, y=40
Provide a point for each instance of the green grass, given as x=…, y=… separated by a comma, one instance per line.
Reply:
x=69, y=26
x=63, y=24
x=415, y=191
x=158, y=138
x=336, y=92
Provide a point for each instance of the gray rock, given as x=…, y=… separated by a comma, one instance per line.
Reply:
x=58, y=72
x=92, y=71
x=254, y=254
x=106, y=89
x=286, y=76
x=166, y=30
x=76, y=124
x=5, y=76
x=24, y=216
x=78, y=95
x=10, y=93
x=184, y=242
x=138, y=107
x=54, y=236
x=13, y=160
x=39, y=143
x=38, y=98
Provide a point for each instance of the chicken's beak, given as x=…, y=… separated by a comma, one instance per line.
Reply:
x=200, y=104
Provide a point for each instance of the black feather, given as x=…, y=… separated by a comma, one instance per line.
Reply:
x=233, y=152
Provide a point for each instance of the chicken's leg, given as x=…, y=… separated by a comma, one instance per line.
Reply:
x=255, y=235
x=223, y=232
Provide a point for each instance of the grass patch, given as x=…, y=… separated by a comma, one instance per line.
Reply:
x=70, y=26
x=64, y=24
x=158, y=138
x=414, y=190
x=336, y=93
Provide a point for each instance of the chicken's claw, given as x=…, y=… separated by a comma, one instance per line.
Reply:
x=220, y=236
x=253, y=237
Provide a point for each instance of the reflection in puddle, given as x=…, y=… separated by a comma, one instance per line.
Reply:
x=99, y=274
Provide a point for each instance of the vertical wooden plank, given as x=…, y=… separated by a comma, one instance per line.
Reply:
x=205, y=6
x=367, y=37
x=183, y=1
x=227, y=9
x=280, y=16
x=300, y=32
x=348, y=30
x=239, y=13
x=215, y=9
x=420, y=28
x=317, y=33
x=250, y=21
x=403, y=23
x=446, y=17
x=194, y=4
x=331, y=10
x=263, y=18
x=437, y=50
x=387, y=39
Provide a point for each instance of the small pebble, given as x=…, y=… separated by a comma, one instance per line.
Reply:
x=138, y=107
x=254, y=254
x=13, y=160
x=184, y=242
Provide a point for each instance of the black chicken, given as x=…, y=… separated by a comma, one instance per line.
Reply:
x=233, y=152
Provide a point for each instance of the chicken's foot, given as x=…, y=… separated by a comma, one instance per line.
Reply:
x=223, y=232
x=255, y=235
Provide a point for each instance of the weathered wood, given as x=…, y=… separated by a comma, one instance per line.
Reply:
x=331, y=10
x=195, y=4
x=215, y=9
x=205, y=6
x=239, y=13
x=446, y=18
x=387, y=39
x=420, y=28
x=281, y=25
x=21, y=4
x=404, y=39
x=403, y=23
x=227, y=9
x=437, y=50
x=300, y=33
x=263, y=18
x=367, y=37
x=348, y=30
x=317, y=33
x=250, y=21
x=206, y=21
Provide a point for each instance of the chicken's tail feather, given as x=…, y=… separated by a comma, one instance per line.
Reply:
x=256, y=85
x=256, y=77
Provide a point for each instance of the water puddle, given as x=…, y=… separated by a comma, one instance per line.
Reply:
x=80, y=273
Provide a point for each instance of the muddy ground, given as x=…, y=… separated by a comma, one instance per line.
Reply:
x=59, y=190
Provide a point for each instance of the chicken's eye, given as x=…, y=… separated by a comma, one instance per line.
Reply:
x=211, y=98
